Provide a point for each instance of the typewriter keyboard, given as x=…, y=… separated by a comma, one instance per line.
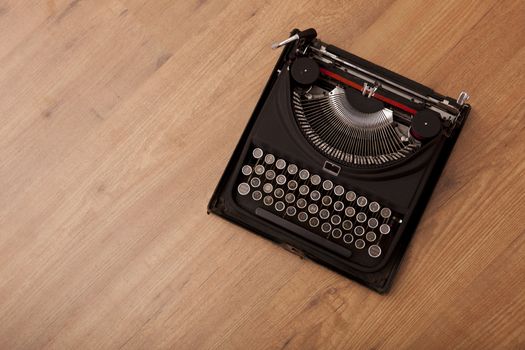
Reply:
x=318, y=209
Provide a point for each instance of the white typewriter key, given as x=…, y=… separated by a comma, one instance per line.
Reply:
x=302, y=216
x=359, y=230
x=257, y=153
x=304, y=174
x=373, y=223
x=280, y=164
x=315, y=195
x=269, y=158
x=259, y=169
x=246, y=170
x=384, y=229
x=335, y=219
x=267, y=188
x=338, y=206
x=328, y=185
x=360, y=244
x=243, y=188
x=304, y=190
x=278, y=193
x=268, y=200
x=279, y=206
x=360, y=217
x=280, y=179
x=351, y=196
x=292, y=169
x=315, y=180
x=255, y=182
x=347, y=225
x=314, y=222
x=313, y=208
x=362, y=201
x=339, y=190
x=327, y=200
x=301, y=203
x=374, y=207
x=385, y=212
x=289, y=198
x=326, y=227
x=374, y=251
x=370, y=236
x=350, y=212
x=270, y=175
x=257, y=195
x=290, y=211
x=324, y=214
x=348, y=238
x=337, y=233
x=292, y=185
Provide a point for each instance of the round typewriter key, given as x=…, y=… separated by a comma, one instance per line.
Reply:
x=267, y=188
x=269, y=158
x=362, y=201
x=385, y=213
x=359, y=230
x=289, y=198
x=328, y=185
x=351, y=196
x=313, y=208
x=360, y=244
x=324, y=214
x=374, y=250
x=370, y=236
x=348, y=238
x=374, y=207
x=268, y=200
x=303, y=189
x=335, y=219
x=384, y=229
x=278, y=193
x=327, y=200
x=326, y=227
x=373, y=223
x=314, y=222
x=315, y=180
x=243, y=188
x=292, y=185
x=280, y=164
x=255, y=182
x=257, y=153
x=280, y=179
x=257, y=195
x=338, y=206
x=304, y=174
x=339, y=190
x=360, y=217
x=315, y=195
x=301, y=203
x=302, y=216
x=347, y=225
x=290, y=211
x=259, y=169
x=279, y=206
x=350, y=212
x=246, y=170
x=270, y=175
x=337, y=233
x=292, y=169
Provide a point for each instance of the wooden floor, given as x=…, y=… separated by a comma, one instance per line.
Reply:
x=118, y=118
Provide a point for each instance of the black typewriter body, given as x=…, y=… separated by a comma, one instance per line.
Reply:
x=339, y=160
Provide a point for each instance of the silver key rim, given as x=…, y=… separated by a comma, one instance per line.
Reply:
x=328, y=185
x=339, y=190
x=351, y=196
x=243, y=188
x=326, y=227
x=280, y=179
x=267, y=188
x=370, y=236
x=315, y=195
x=257, y=153
x=292, y=169
x=304, y=174
x=337, y=233
x=360, y=217
x=280, y=164
x=313, y=208
x=246, y=170
x=270, y=175
x=289, y=198
x=374, y=207
x=362, y=201
x=302, y=203
x=350, y=212
x=291, y=211
x=315, y=180
x=259, y=169
x=304, y=190
x=278, y=193
x=360, y=244
x=386, y=213
x=335, y=219
x=269, y=158
x=347, y=225
x=338, y=206
x=348, y=238
x=302, y=216
x=279, y=206
x=324, y=214
x=292, y=185
x=268, y=200
x=255, y=182
x=314, y=222
x=256, y=195
x=359, y=230
x=372, y=223
x=384, y=229
x=374, y=251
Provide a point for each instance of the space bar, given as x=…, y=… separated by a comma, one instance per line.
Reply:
x=303, y=232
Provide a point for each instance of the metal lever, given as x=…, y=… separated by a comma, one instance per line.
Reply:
x=462, y=98
x=308, y=33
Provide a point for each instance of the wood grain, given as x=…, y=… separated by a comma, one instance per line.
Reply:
x=118, y=118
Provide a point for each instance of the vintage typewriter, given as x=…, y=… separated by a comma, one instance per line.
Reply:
x=339, y=159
